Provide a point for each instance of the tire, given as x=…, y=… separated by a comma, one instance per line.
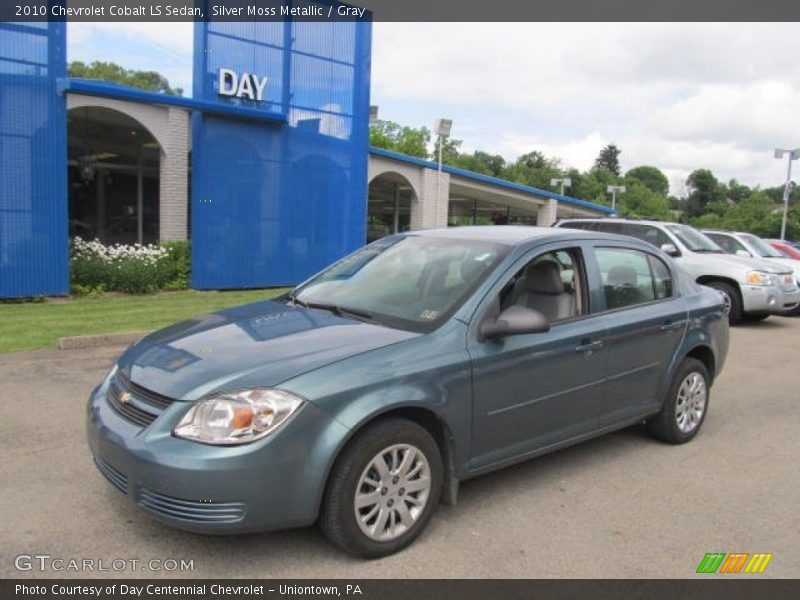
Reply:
x=733, y=300
x=749, y=318
x=667, y=424
x=366, y=536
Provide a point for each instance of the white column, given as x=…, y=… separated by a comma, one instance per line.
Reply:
x=174, y=178
x=431, y=208
x=547, y=213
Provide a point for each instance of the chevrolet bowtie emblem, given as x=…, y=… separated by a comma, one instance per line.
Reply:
x=125, y=398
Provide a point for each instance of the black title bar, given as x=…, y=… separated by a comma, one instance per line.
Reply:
x=402, y=10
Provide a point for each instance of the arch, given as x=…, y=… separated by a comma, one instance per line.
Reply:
x=390, y=198
x=114, y=163
x=152, y=117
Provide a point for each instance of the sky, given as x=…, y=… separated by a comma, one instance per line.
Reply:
x=679, y=96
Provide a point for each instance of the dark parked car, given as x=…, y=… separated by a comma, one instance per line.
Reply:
x=362, y=398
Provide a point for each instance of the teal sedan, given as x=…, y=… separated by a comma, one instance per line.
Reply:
x=363, y=397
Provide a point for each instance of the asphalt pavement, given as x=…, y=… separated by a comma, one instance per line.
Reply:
x=620, y=506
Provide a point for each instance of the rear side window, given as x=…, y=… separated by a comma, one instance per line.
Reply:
x=632, y=277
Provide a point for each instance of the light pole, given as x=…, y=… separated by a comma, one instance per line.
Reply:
x=564, y=183
x=613, y=189
x=373, y=114
x=442, y=129
x=793, y=155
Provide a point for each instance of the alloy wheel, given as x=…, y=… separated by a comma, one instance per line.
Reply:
x=691, y=402
x=392, y=492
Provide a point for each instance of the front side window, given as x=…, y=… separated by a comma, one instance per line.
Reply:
x=552, y=283
x=730, y=244
x=409, y=282
x=694, y=240
x=632, y=277
x=762, y=248
x=646, y=233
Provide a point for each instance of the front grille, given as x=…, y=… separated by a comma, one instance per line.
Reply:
x=141, y=393
x=135, y=403
x=117, y=479
x=198, y=511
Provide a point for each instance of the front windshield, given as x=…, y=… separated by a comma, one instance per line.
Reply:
x=693, y=239
x=762, y=248
x=409, y=282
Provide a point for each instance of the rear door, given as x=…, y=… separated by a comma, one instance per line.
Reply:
x=646, y=319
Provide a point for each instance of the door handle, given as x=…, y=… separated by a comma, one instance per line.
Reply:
x=588, y=347
x=670, y=326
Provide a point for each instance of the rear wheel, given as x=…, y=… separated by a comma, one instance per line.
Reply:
x=685, y=406
x=383, y=489
x=731, y=298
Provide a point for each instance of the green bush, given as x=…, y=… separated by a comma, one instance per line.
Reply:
x=180, y=264
x=135, y=269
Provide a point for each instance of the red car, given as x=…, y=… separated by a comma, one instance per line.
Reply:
x=785, y=248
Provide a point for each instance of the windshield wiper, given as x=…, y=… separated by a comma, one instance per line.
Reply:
x=707, y=251
x=341, y=311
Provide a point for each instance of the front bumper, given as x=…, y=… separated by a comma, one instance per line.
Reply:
x=769, y=299
x=273, y=483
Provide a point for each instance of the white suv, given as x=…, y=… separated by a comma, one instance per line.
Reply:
x=753, y=289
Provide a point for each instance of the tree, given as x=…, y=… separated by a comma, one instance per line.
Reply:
x=405, y=140
x=151, y=81
x=704, y=190
x=651, y=177
x=609, y=159
x=640, y=201
x=533, y=169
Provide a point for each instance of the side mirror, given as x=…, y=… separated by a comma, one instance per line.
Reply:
x=744, y=253
x=514, y=320
x=670, y=249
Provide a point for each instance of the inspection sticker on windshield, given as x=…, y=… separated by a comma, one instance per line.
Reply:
x=429, y=315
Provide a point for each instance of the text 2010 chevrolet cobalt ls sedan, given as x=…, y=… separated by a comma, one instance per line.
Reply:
x=361, y=399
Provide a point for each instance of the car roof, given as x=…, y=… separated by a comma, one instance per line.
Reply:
x=512, y=235
x=613, y=220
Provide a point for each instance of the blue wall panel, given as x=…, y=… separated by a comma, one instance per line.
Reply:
x=274, y=203
x=33, y=154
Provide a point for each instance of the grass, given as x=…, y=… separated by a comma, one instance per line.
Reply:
x=31, y=325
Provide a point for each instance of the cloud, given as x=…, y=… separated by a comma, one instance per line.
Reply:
x=676, y=95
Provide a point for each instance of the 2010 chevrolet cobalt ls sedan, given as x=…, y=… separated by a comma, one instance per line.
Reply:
x=362, y=398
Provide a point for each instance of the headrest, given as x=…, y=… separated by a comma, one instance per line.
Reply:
x=622, y=275
x=543, y=278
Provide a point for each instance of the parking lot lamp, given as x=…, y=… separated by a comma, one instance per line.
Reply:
x=613, y=189
x=793, y=155
x=442, y=129
x=564, y=183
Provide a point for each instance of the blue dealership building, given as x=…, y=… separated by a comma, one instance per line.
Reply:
x=267, y=168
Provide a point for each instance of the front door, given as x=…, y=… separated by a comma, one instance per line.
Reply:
x=535, y=390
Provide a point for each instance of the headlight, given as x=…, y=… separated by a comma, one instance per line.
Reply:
x=238, y=417
x=759, y=278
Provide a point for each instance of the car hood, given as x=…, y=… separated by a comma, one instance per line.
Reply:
x=783, y=264
x=255, y=345
x=731, y=260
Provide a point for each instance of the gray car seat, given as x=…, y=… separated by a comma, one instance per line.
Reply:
x=541, y=288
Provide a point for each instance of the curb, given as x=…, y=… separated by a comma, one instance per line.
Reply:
x=77, y=342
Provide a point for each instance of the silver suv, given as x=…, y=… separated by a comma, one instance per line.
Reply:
x=753, y=289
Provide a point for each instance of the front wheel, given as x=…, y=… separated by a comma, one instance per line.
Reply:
x=685, y=406
x=383, y=489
